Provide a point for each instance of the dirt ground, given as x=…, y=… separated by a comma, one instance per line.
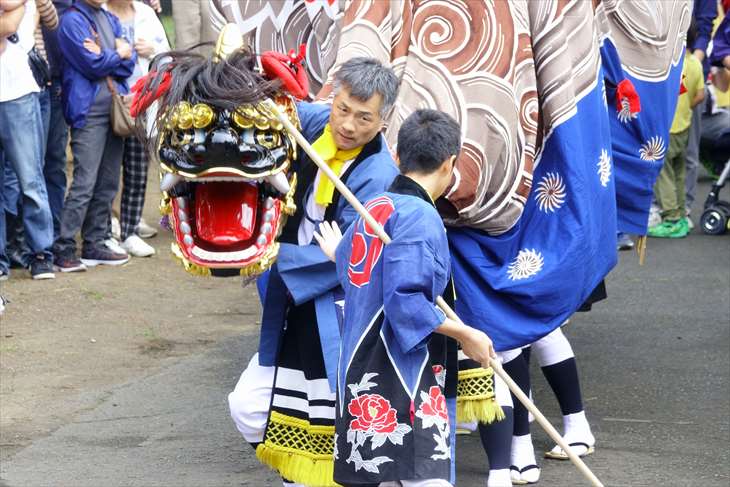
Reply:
x=65, y=341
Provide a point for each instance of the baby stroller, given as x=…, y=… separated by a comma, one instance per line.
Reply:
x=714, y=152
x=715, y=219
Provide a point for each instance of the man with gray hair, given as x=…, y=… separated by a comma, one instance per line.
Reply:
x=284, y=402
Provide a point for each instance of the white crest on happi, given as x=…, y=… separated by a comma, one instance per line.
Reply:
x=653, y=149
x=527, y=263
x=550, y=192
x=604, y=168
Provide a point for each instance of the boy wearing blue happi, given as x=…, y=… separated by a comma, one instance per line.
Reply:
x=393, y=422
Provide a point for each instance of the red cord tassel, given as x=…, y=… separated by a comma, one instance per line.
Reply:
x=626, y=90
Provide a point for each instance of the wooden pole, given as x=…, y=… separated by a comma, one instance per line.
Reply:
x=549, y=429
x=380, y=231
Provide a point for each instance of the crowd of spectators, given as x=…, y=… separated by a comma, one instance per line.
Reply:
x=60, y=63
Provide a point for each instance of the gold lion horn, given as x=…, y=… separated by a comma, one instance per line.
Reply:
x=229, y=41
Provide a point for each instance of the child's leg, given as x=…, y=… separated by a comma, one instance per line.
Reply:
x=680, y=172
x=523, y=466
x=665, y=191
x=497, y=437
x=555, y=356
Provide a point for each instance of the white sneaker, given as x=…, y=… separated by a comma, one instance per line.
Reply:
x=116, y=228
x=137, y=247
x=113, y=245
x=144, y=230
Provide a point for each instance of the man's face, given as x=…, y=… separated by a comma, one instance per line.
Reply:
x=96, y=3
x=355, y=122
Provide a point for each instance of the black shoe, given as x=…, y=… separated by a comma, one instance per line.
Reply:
x=102, y=255
x=68, y=262
x=4, y=275
x=41, y=267
x=17, y=259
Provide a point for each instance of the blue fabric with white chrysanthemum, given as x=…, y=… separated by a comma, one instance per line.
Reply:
x=639, y=141
x=519, y=286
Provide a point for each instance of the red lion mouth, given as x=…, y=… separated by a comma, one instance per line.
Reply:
x=224, y=221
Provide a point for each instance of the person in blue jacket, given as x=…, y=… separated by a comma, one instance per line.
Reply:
x=95, y=60
x=297, y=357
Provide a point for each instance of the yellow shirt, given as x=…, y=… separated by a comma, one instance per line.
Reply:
x=694, y=81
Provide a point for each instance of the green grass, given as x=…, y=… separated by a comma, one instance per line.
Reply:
x=169, y=26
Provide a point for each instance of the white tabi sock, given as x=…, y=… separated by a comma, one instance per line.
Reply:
x=523, y=454
x=499, y=478
x=576, y=428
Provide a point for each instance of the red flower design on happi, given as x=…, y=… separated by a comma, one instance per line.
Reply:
x=436, y=404
x=372, y=413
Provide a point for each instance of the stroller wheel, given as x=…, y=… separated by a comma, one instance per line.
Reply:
x=713, y=221
x=723, y=206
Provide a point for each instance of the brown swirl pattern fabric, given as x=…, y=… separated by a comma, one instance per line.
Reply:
x=281, y=25
x=483, y=62
x=508, y=71
x=645, y=34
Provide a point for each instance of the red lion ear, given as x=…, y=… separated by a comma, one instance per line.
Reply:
x=289, y=69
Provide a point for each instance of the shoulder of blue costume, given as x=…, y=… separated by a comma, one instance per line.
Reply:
x=380, y=166
x=413, y=218
x=313, y=117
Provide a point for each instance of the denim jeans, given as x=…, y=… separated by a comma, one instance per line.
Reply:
x=55, y=167
x=21, y=141
x=16, y=247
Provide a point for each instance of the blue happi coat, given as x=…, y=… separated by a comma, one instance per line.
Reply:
x=303, y=273
x=393, y=418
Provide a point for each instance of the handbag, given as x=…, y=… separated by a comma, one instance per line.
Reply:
x=121, y=121
x=39, y=67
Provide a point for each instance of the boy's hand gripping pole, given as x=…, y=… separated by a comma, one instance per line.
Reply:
x=380, y=232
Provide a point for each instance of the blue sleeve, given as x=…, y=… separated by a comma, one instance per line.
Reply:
x=126, y=68
x=721, y=42
x=409, y=270
x=306, y=271
x=71, y=34
x=704, y=14
x=313, y=117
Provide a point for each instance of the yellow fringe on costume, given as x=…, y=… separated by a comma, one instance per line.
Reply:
x=300, y=452
x=475, y=398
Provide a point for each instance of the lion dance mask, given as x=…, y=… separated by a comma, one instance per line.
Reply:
x=225, y=157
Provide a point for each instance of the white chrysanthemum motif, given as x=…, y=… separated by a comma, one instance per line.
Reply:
x=625, y=115
x=604, y=168
x=527, y=263
x=550, y=193
x=653, y=149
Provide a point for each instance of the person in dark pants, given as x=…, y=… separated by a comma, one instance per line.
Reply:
x=54, y=169
x=94, y=53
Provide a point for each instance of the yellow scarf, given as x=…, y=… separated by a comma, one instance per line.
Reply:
x=335, y=159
